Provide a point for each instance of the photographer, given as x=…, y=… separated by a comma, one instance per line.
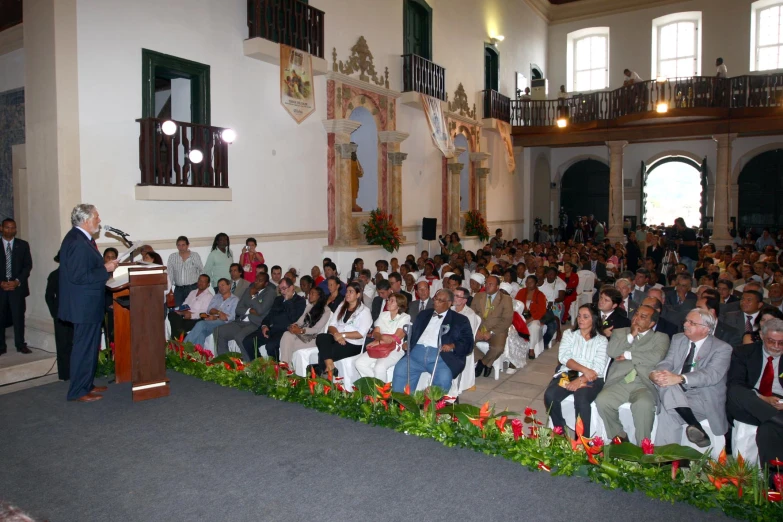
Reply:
x=688, y=247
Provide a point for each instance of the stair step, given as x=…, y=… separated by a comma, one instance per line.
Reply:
x=16, y=367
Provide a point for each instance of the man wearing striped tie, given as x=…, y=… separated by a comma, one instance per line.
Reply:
x=15, y=266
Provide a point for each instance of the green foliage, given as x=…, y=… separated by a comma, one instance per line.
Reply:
x=380, y=230
x=660, y=455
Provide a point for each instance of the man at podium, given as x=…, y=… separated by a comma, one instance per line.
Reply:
x=83, y=276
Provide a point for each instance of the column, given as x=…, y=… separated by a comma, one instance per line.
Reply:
x=477, y=160
x=455, y=171
x=615, y=232
x=720, y=211
x=339, y=205
x=396, y=159
x=481, y=176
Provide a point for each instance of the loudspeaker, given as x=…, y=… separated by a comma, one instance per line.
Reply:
x=428, y=226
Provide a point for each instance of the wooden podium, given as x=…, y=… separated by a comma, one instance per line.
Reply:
x=139, y=335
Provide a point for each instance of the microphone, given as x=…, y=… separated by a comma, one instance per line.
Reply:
x=113, y=230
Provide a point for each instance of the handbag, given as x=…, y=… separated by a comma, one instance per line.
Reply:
x=381, y=351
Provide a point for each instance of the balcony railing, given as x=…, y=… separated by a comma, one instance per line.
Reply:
x=644, y=97
x=288, y=22
x=424, y=76
x=496, y=106
x=166, y=160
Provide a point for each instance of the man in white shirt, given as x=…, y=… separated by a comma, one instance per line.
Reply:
x=722, y=71
x=182, y=321
x=553, y=287
x=369, y=290
x=630, y=77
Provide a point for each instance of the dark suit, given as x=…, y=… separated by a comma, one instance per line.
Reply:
x=731, y=306
x=63, y=332
x=675, y=312
x=14, y=301
x=81, y=302
x=282, y=315
x=656, y=253
x=378, y=303
x=728, y=334
x=459, y=333
x=666, y=327
x=742, y=403
x=618, y=319
x=413, y=310
x=736, y=320
x=600, y=272
x=639, y=295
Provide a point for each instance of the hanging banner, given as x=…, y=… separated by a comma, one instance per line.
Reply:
x=504, y=128
x=440, y=134
x=296, y=83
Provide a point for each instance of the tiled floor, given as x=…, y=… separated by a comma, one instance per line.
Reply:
x=518, y=391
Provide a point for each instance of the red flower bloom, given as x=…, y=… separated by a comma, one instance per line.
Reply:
x=517, y=427
x=773, y=462
x=544, y=467
x=617, y=440
x=774, y=496
x=777, y=479
x=648, y=447
x=597, y=442
x=558, y=430
x=440, y=404
x=312, y=387
x=675, y=467
x=529, y=412
x=327, y=389
x=501, y=423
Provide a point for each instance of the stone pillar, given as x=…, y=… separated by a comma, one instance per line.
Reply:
x=481, y=176
x=477, y=160
x=395, y=160
x=720, y=211
x=339, y=204
x=615, y=232
x=455, y=171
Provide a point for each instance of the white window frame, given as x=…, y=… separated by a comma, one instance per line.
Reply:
x=659, y=23
x=756, y=9
x=571, y=40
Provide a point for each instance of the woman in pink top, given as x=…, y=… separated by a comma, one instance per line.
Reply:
x=250, y=259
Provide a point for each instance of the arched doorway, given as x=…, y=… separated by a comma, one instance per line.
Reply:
x=673, y=188
x=760, y=192
x=584, y=190
x=366, y=139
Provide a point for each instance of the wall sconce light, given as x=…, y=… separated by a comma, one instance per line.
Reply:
x=228, y=135
x=562, y=123
x=662, y=108
x=168, y=127
x=497, y=39
x=195, y=156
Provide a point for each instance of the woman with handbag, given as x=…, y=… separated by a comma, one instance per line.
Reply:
x=388, y=335
x=582, y=355
x=348, y=327
x=302, y=334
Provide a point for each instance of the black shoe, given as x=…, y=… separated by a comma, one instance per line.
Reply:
x=487, y=370
x=697, y=436
x=24, y=349
x=325, y=374
x=479, y=368
x=531, y=354
x=313, y=367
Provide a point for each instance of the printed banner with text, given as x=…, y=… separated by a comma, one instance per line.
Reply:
x=296, y=83
x=440, y=134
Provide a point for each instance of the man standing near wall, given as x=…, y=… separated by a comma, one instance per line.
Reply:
x=15, y=266
x=83, y=276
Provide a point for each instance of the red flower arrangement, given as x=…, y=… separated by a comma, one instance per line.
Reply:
x=381, y=230
x=476, y=225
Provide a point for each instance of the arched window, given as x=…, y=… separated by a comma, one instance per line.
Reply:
x=676, y=45
x=673, y=188
x=588, y=59
x=766, y=35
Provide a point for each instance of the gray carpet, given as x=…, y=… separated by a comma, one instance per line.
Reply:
x=216, y=454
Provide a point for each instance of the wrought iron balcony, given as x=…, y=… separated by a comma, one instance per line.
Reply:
x=288, y=22
x=497, y=106
x=424, y=76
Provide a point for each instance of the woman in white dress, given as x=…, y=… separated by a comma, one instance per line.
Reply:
x=302, y=334
x=388, y=329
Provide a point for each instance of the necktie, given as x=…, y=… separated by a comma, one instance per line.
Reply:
x=687, y=367
x=748, y=325
x=386, y=305
x=8, y=262
x=765, y=387
x=622, y=305
x=421, y=306
x=233, y=286
x=94, y=245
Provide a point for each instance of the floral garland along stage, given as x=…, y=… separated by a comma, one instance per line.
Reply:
x=729, y=485
x=381, y=230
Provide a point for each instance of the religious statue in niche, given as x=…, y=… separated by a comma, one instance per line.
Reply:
x=356, y=172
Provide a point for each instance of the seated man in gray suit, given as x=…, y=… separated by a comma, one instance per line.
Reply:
x=636, y=351
x=691, y=383
x=710, y=301
x=238, y=282
x=680, y=301
x=250, y=313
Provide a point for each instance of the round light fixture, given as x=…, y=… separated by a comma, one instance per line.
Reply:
x=661, y=79
x=500, y=38
x=562, y=123
x=228, y=135
x=195, y=156
x=662, y=107
x=168, y=127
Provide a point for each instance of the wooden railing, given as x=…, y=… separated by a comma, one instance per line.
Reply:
x=165, y=160
x=424, y=76
x=496, y=106
x=643, y=97
x=288, y=22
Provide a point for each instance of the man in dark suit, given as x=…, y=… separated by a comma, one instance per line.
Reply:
x=250, y=313
x=15, y=266
x=734, y=305
x=424, y=302
x=63, y=332
x=662, y=325
x=379, y=302
x=83, y=276
x=640, y=285
x=655, y=251
x=726, y=291
x=440, y=341
x=395, y=280
x=679, y=301
x=596, y=267
x=755, y=389
x=612, y=317
x=710, y=301
x=286, y=309
x=744, y=319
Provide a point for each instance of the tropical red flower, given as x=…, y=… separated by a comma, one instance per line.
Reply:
x=312, y=372
x=440, y=404
x=407, y=389
x=501, y=423
x=617, y=440
x=648, y=447
x=558, y=430
x=675, y=467
x=777, y=479
x=529, y=412
x=111, y=345
x=327, y=389
x=516, y=428
x=774, y=496
x=597, y=442
x=544, y=467
x=312, y=386
x=533, y=432
x=773, y=462
x=384, y=391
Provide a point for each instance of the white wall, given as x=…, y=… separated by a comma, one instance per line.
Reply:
x=12, y=70
x=725, y=33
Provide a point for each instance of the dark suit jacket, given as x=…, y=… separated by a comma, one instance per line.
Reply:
x=600, y=272
x=747, y=363
x=618, y=319
x=261, y=303
x=376, y=308
x=460, y=334
x=735, y=320
x=413, y=309
x=21, y=264
x=667, y=327
x=676, y=313
x=731, y=306
x=82, y=280
x=408, y=296
x=732, y=299
x=728, y=334
x=53, y=292
x=284, y=313
x=655, y=253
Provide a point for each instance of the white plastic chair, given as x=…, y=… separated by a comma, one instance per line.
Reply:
x=304, y=357
x=584, y=292
x=743, y=437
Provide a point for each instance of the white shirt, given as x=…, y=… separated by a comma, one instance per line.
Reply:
x=695, y=356
x=627, y=353
x=198, y=303
x=723, y=72
x=473, y=318
x=635, y=77
x=430, y=335
x=776, y=388
x=552, y=290
x=6, y=243
x=752, y=319
x=360, y=321
x=388, y=326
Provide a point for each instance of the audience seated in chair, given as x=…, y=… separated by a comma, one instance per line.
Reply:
x=238, y=282
x=250, y=313
x=612, y=316
x=183, y=321
x=388, y=330
x=220, y=311
x=312, y=322
x=535, y=309
x=286, y=309
x=496, y=312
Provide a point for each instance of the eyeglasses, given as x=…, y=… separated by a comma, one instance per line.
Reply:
x=460, y=297
x=772, y=342
x=688, y=321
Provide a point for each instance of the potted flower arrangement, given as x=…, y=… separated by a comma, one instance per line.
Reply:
x=381, y=230
x=476, y=225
